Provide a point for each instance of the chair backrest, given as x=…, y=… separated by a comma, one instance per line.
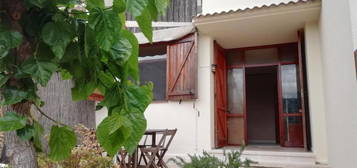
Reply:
x=166, y=139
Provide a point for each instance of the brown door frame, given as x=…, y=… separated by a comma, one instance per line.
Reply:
x=281, y=115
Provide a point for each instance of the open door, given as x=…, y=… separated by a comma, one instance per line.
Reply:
x=292, y=93
x=220, y=96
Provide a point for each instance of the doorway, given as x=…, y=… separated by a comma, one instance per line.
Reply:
x=262, y=105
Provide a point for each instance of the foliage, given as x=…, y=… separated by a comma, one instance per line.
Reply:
x=231, y=159
x=87, y=42
x=88, y=154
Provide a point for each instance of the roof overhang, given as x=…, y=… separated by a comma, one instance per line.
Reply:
x=166, y=35
x=259, y=25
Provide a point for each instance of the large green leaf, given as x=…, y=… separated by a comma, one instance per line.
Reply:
x=121, y=50
x=136, y=7
x=133, y=63
x=138, y=125
x=161, y=6
x=112, y=132
x=40, y=71
x=3, y=79
x=8, y=40
x=119, y=6
x=138, y=97
x=26, y=133
x=82, y=90
x=106, y=24
x=62, y=140
x=95, y=4
x=12, y=121
x=113, y=97
x=13, y=96
x=38, y=132
x=57, y=35
x=145, y=23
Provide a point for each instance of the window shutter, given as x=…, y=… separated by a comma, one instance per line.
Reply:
x=182, y=68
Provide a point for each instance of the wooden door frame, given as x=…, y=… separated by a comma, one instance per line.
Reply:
x=278, y=64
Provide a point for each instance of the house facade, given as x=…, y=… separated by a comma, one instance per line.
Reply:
x=278, y=76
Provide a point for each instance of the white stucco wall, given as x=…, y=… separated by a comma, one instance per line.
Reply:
x=315, y=81
x=353, y=10
x=193, y=119
x=340, y=83
x=211, y=6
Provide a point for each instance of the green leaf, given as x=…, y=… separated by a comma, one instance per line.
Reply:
x=106, y=79
x=138, y=97
x=82, y=90
x=145, y=23
x=38, y=132
x=38, y=3
x=62, y=140
x=112, y=132
x=106, y=25
x=136, y=7
x=9, y=40
x=121, y=50
x=12, y=121
x=161, y=6
x=57, y=35
x=133, y=62
x=112, y=97
x=26, y=133
x=40, y=71
x=138, y=125
x=72, y=53
x=3, y=79
x=95, y=4
x=119, y=6
x=65, y=75
x=13, y=96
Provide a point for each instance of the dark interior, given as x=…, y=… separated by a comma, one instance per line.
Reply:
x=262, y=105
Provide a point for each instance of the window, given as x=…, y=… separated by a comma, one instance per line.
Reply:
x=172, y=68
x=153, y=68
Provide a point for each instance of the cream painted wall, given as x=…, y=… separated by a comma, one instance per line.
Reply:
x=193, y=119
x=340, y=83
x=316, y=91
x=211, y=6
x=353, y=7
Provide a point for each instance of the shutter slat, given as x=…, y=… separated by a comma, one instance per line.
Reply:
x=181, y=69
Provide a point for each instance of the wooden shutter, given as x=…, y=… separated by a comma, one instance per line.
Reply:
x=182, y=68
x=220, y=96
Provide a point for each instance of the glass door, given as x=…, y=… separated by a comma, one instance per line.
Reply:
x=291, y=115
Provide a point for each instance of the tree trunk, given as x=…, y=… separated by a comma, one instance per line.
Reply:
x=21, y=154
x=59, y=106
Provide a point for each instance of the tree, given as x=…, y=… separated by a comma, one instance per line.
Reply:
x=85, y=41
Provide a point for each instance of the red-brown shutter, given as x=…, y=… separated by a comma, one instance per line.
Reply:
x=220, y=96
x=182, y=68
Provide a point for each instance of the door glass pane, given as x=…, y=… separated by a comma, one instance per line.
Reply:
x=293, y=131
x=290, y=93
x=261, y=56
x=289, y=53
x=235, y=91
x=235, y=130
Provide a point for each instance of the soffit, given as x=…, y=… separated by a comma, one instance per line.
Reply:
x=273, y=24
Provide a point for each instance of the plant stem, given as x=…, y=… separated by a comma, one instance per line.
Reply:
x=48, y=117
